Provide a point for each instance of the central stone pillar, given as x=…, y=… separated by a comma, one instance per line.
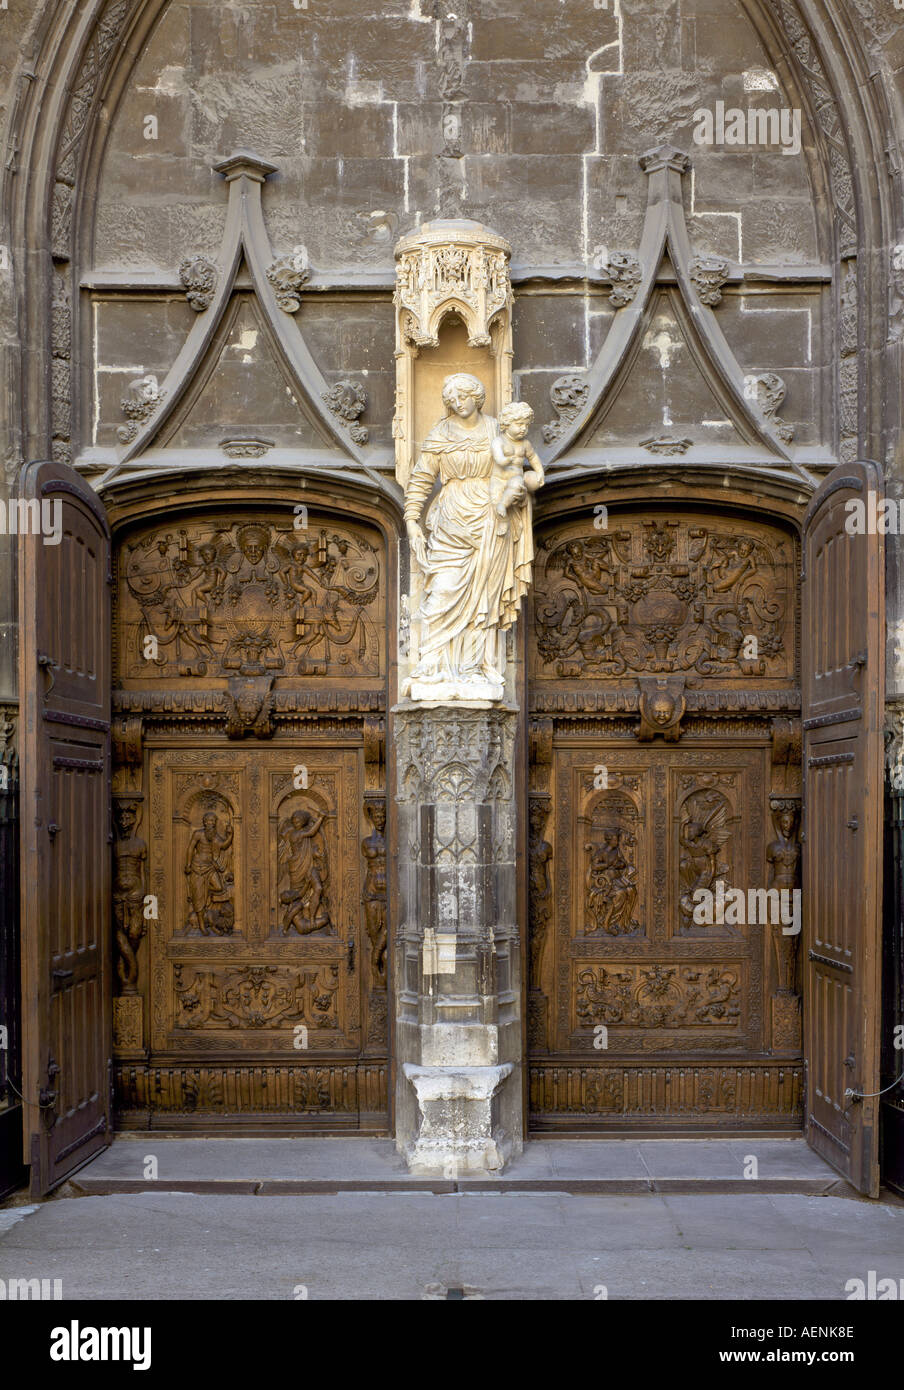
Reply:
x=457, y=962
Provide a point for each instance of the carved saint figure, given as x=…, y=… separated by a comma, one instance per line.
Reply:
x=210, y=878
x=540, y=890
x=475, y=571
x=304, y=869
x=129, y=877
x=373, y=848
x=783, y=858
x=611, y=887
x=702, y=838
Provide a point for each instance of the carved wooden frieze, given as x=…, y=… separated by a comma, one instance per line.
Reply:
x=250, y=596
x=707, y=597
x=657, y=996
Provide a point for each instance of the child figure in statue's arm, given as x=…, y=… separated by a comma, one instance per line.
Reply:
x=513, y=453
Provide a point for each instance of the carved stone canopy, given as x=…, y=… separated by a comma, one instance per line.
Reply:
x=449, y=265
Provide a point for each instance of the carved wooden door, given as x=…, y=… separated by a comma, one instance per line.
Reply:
x=664, y=792
x=250, y=809
x=64, y=588
x=843, y=697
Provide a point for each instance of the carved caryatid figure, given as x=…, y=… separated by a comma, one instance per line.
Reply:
x=540, y=889
x=304, y=869
x=129, y=873
x=373, y=848
x=210, y=878
x=476, y=564
x=783, y=858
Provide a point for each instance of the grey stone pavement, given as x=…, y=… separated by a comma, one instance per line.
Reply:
x=511, y=1242
x=415, y=1246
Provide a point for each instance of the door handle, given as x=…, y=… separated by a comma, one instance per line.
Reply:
x=350, y=957
x=48, y=666
x=52, y=829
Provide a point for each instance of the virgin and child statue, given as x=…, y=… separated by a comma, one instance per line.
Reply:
x=474, y=547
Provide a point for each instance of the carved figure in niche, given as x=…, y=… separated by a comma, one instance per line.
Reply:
x=539, y=888
x=253, y=563
x=475, y=572
x=703, y=859
x=210, y=878
x=130, y=854
x=304, y=868
x=515, y=459
x=783, y=858
x=373, y=848
x=611, y=886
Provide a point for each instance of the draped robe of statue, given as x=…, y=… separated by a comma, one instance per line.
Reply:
x=479, y=564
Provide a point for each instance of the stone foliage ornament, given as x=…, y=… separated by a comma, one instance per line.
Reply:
x=143, y=399
x=347, y=400
x=288, y=276
x=568, y=395
x=477, y=556
x=199, y=277
x=708, y=275
x=626, y=274
x=770, y=392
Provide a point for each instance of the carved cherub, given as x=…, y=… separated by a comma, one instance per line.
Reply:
x=211, y=580
x=516, y=463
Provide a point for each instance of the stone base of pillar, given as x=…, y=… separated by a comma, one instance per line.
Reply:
x=457, y=950
x=458, y=1131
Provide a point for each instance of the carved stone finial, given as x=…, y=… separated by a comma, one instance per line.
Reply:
x=199, y=276
x=664, y=157
x=244, y=164
x=347, y=400
x=708, y=274
x=569, y=396
x=287, y=276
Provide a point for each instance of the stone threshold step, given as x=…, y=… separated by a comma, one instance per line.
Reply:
x=86, y=1186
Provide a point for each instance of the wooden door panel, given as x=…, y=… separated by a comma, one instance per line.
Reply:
x=842, y=708
x=662, y=660
x=257, y=948
x=624, y=954
x=65, y=684
x=251, y=672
